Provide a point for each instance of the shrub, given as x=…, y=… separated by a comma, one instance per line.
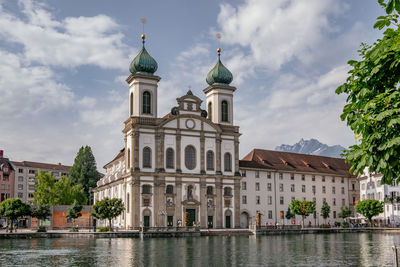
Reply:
x=103, y=229
x=345, y=225
x=74, y=229
x=325, y=226
x=41, y=229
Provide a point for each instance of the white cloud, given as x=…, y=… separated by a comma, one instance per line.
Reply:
x=71, y=42
x=278, y=31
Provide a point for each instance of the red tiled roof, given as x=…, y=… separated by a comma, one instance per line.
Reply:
x=286, y=161
x=40, y=165
x=120, y=154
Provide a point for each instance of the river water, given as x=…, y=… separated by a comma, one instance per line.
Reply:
x=344, y=249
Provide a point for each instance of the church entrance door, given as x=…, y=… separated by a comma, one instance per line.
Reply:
x=146, y=221
x=191, y=216
x=210, y=221
x=228, y=221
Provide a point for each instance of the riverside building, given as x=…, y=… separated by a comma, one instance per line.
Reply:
x=372, y=188
x=25, y=177
x=7, y=176
x=272, y=179
x=182, y=168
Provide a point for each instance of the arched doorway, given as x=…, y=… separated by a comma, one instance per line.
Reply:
x=228, y=219
x=244, y=220
x=146, y=218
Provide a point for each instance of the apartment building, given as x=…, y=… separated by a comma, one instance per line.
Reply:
x=25, y=177
x=272, y=179
x=7, y=174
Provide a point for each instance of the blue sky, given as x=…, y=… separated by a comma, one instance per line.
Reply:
x=63, y=66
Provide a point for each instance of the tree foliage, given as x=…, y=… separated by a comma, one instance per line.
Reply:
x=52, y=192
x=303, y=208
x=289, y=215
x=373, y=108
x=325, y=210
x=14, y=208
x=74, y=212
x=108, y=209
x=84, y=170
x=41, y=212
x=369, y=208
x=345, y=212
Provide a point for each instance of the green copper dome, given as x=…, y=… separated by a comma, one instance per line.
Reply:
x=143, y=63
x=219, y=74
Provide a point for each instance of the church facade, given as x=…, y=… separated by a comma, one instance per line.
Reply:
x=182, y=168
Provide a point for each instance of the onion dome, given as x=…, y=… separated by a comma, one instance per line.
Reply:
x=143, y=62
x=219, y=74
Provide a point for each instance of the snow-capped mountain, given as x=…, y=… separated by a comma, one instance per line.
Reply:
x=313, y=147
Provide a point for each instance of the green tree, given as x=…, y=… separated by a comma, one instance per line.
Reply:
x=302, y=208
x=52, y=192
x=108, y=209
x=41, y=212
x=325, y=211
x=369, y=208
x=289, y=215
x=84, y=170
x=74, y=212
x=14, y=208
x=344, y=213
x=44, y=194
x=66, y=193
x=372, y=107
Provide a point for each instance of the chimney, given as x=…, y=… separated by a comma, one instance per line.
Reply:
x=1, y=153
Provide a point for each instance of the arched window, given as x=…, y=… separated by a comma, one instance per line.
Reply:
x=170, y=189
x=209, y=190
x=228, y=162
x=170, y=158
x=227, y=191
x=129, y=159
x=209, y=110
x=131, y=105
x=224, y=111
x=190, y=157
x=146, y=157
x=146, y=103
x=146, y=189
x=210, y=160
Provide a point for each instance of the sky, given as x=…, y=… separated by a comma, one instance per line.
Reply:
x=63, y=66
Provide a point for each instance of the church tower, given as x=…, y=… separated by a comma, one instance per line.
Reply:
x=143, y=85
x=219, y=94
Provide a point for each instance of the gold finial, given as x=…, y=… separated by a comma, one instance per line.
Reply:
x=143, y=21
x=219, y=49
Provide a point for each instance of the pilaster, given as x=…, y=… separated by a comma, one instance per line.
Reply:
x=203, y=203
x=178, y=152
x=178, y=200
x=236, y=194
x=218, y=156
x=218, y=204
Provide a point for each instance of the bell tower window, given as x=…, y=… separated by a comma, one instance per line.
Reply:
x=131, y=105
x=224, y=111
x=209, y=110
x=146, y=103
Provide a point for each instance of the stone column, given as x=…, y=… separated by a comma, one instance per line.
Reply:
x=203, y=203
x=133, y=203
x=135, y=150
x=218, y=202
x=155, y=204
x=178, y=200
x=236, y=200
x=202, y=167
x=178, y=152
x=237, y=172
x=126, y=153
x=218, y=156
x=161, y=160
x=124, y=189
x=162, y=202
x=135, y=195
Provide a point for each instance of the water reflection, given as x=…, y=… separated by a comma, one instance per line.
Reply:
x=300, y=250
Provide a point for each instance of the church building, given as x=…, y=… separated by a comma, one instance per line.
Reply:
x=181, y=168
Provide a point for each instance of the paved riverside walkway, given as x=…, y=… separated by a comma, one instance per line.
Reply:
x=85, y=233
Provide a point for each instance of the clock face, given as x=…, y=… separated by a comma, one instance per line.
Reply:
x=190, y=124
